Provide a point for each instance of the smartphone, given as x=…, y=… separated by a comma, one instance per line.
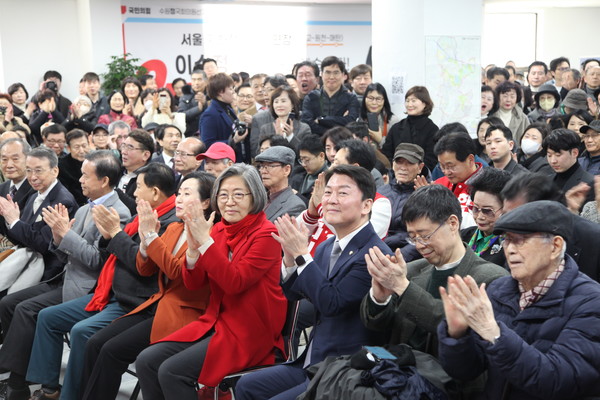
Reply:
x=162, y=100
x=372, y=121
x=380, y=353
x=291, y=116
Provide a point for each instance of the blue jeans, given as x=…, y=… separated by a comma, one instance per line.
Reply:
x=46, y=354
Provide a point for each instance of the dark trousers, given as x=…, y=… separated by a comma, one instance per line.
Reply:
x=281, y=382
x=109, y=352
x=18, y=313
x=170, y=370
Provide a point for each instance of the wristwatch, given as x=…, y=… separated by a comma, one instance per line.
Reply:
x=300, y=260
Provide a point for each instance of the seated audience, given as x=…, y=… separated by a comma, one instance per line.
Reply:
x=531, y=153
x=109, y=351
x=217, y=158
x=185, y=156
x=590, y=158
x=534, y=333
x=499, y=146
x=241, y=262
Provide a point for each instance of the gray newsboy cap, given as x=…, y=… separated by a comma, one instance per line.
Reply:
x=281, y=154
x=542, y=216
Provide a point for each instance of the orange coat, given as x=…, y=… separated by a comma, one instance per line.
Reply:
x=247, y=308
x=177, y=305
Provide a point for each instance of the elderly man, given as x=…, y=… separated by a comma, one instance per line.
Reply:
x=217, y=158
x=136, y=152
x=275, y=166
x=535, y=333
x=404, y=298
x=408, y=163
x=117, y=133
x=334, y=282
x=185, y=155
x=69, y=166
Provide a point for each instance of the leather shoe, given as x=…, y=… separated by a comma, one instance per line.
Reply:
x=43, y=394
x=208, y=393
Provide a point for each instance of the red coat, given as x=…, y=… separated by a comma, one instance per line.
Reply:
x=113, y=116
x=177, y=305
x=461, y=190
x=247, y=308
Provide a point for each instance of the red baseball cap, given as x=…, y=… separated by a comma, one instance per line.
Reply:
x=218, y=151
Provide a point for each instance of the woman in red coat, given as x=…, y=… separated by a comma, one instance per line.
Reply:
x=117, y=102
x=241, y=262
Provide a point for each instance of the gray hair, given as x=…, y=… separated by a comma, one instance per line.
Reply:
x=576, y=74
x=84, y=99
x=44, y=152
x=118, y=124
x=26, y=147
x=251, y=178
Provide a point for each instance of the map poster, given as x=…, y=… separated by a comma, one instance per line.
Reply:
x=453, y=78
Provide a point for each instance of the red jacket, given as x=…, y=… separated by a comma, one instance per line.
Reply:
x=247, y=308
x=113, y=116
x=461, y=189
x=177, y=305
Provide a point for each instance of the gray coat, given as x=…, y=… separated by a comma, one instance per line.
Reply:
x=79, y=249
x=417, y=308
x=286, y=203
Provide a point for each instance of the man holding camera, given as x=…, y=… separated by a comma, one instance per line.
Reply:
x=53, y=81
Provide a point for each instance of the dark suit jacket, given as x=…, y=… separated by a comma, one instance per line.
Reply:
x=129, y=287
x=216, y=124
x=31, y=231
x=127, y=196
x=21, y=197
x=286, y=203
x=69, y=173
x=336, y=298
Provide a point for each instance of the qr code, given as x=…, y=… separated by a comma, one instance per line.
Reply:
x=397, y=85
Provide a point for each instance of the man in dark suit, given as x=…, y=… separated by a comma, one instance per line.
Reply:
x=26, y=227
x=168, y=136
x=77, y=245
x=120, y=289
x=562, y=149
x=193, y=101
x=136, y=152
x=13, y=153
x=334, y=282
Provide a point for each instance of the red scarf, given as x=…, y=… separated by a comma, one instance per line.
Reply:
x=102, y=293
x=234, y=233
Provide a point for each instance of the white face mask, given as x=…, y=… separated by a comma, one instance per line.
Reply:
x=529, y=146
x=84, y=109
x=148, y=104
x=547, y=105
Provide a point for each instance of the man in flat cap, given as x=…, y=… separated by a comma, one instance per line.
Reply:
x=275, y=166
x=590, y=158
x=537, y=333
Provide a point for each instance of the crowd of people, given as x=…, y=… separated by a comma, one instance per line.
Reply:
x=194, y=231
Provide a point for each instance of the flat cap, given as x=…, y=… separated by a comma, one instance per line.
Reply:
x=281, y=154
x=576, y=99
x=409, y=151
x=542, y=216
x=594, y=125
x=100, y=126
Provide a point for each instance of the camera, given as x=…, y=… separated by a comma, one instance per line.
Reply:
x=239, y=127
x=51, y=85
x=2, y=110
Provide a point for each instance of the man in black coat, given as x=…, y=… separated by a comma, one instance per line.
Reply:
x=193, y=102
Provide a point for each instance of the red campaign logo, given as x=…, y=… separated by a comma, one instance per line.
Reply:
x=123, y=9
x=160, y=71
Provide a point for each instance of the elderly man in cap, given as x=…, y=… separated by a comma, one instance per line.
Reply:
x=590, y=158
x=217, y=158
x=407, y=165
x=275, y=166
x=537, y=333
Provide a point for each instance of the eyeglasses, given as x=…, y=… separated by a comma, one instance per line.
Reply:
x=269, y=167
x=36, y=172
x=487, y=212
x=592, y=135
x=245, y=96
x=128, y=147
x=375, y=99
x=449, y=168
x=53, y=142
x=519, y=240
x=181, y=154
x=423, y=240
x=332, y=73
x=79, y=147
x=305, y=160
x=237, y=197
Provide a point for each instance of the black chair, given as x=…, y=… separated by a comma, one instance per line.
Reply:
x=228, y=383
